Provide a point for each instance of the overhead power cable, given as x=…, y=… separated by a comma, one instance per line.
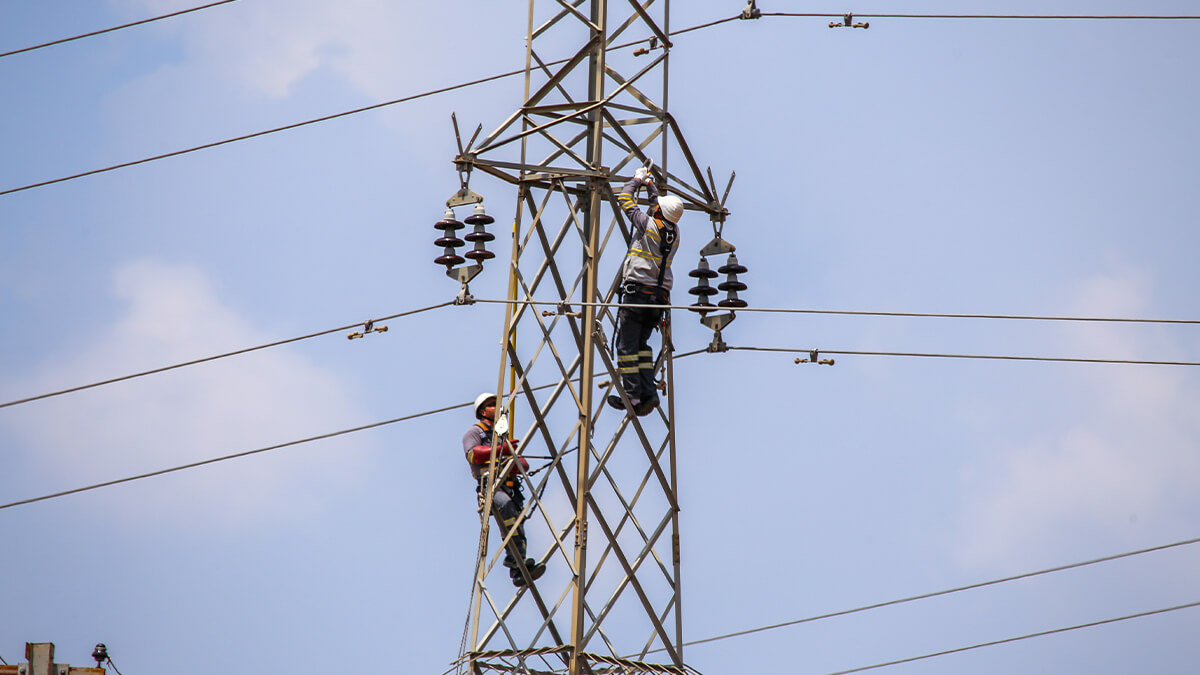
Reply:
x=114, y=28
x=949, y=591
x=257, y=134
x=1114, y=17
x=326, y=118
x=518, y=72
x=843, y=312
x=259, y=451
x=217, y=356
x=969, y=356
x=1044, y=633
x=247, y=453
x=751, y=309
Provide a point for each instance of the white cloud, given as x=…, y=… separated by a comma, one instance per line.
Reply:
x=270, y=45
x=190, y=414
x=1125, y=452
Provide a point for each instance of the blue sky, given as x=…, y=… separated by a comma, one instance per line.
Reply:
x=970, y=166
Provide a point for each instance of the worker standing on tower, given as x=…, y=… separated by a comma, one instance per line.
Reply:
x=645, y=280
x=508, y=500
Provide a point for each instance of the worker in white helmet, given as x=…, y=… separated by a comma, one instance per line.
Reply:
x=645, y=280
x=507, y=500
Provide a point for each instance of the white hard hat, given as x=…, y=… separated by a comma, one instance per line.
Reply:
x=480, y=400
x=672, y=207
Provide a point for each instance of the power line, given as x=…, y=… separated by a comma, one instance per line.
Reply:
x=746, y=309
x=970, y=356
x=114, y=28
x=1117, y=17
x=1044, y=633
x=257, y=134
x=518, y=72
x=247, y=453
x=843, y=312
x=949, y=591
x=289, y=444
x=326, y=118
x=215, y=357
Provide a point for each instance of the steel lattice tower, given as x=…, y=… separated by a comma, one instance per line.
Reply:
x=608, y=526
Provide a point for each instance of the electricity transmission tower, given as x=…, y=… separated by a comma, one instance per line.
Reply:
x=603, y=513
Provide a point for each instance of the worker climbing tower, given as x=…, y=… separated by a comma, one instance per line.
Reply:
x=602, y=512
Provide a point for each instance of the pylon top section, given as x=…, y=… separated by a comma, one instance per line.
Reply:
x=622, y=65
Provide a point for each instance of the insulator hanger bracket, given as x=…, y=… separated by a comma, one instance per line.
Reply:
x=463, y=164
x=814, y=356
x=716, y=322
x=464, y=275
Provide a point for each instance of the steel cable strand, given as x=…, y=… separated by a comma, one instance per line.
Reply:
x=114, y=28
x=325, y=118
x=949, y=591
x=217, y=356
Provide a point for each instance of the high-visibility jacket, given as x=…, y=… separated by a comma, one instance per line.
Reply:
x=645, y=262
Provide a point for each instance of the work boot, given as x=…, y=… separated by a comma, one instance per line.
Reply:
x=643, y=408
x=615, y=401
x=536, y=570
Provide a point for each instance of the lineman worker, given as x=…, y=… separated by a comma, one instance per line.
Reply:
x=507, y=501
x=645, y=280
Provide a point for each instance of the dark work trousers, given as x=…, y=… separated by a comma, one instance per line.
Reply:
x=635, y=359
x=507, y=503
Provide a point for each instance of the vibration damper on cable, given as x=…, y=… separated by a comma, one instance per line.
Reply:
x=814, y=356
x=848, y=22
x=368, y=328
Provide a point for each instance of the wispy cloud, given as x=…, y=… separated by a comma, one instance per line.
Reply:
x=1124, y=452
x=242, y=403
x=375, y=45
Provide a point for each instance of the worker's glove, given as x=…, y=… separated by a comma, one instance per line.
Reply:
x=643, y=176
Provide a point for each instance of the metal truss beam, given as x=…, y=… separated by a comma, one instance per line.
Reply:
x=620, y=499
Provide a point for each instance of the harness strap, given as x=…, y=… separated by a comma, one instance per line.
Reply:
x=666, y=242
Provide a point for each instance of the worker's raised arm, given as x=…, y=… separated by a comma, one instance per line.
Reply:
x=627, y=199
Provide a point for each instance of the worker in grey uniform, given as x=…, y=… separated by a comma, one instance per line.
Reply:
x=645, y=280
x=507, y=500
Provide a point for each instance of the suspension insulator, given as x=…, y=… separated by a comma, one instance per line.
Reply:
x=702, y=272
x=731, y=285
x=479, y=217
x=448, y=241
x=479, y=236
x=448, y=223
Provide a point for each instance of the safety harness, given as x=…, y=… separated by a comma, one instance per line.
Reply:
x=509, y=482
